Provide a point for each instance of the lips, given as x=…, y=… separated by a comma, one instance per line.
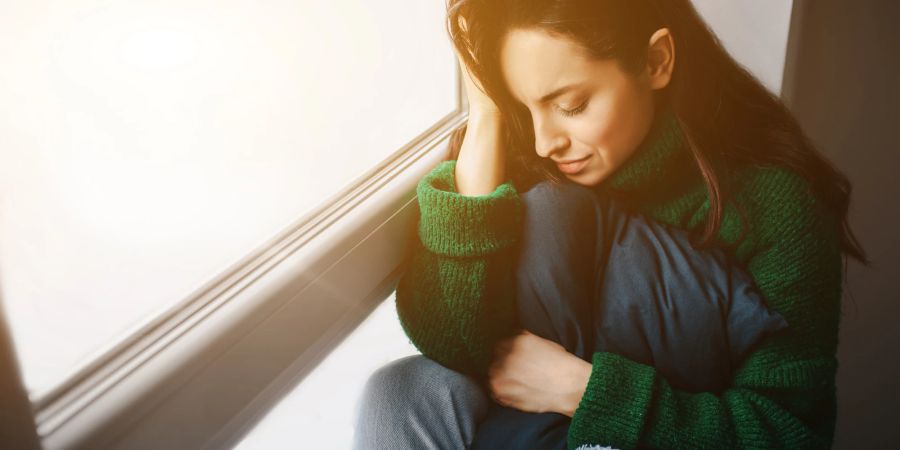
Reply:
x=573, y=166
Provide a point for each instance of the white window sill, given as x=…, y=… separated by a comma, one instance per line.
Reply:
x=321, y=411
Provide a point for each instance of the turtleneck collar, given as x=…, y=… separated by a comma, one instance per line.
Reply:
x=662, y=162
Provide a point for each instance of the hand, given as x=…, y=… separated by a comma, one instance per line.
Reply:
x=533, y=374
x=479, y=102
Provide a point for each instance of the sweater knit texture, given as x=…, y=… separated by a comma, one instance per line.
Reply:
x=457, y=299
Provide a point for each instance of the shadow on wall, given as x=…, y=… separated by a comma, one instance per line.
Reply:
x=840, y=70
x=17, y=428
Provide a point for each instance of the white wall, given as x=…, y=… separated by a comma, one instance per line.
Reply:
x=755, y=32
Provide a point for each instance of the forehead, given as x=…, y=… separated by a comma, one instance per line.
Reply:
x=534, y=63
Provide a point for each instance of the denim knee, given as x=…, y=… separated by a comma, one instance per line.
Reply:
x=561, y=206
x=414, y=402
x=557, y=270
x=416, y=377
x=561, y=222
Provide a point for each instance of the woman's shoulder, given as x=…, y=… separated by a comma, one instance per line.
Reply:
x=781, y=206
x=777, y=193
x=772, y=181
x=794, y=253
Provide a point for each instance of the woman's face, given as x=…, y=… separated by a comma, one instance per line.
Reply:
x=603, y=116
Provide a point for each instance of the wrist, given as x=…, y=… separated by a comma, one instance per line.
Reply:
x=576, y=381
x=479, y=115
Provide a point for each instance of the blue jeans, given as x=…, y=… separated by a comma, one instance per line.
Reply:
x=591, y=277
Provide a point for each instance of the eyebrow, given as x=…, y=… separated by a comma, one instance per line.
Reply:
x=558, y=92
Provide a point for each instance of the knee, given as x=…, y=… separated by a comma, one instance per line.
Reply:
x=555, y=207
x=563, y=196
x=414, y=402
x=417, y=382
x=560, y=219
x=392, y=379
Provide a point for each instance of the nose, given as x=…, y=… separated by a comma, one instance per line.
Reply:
x=547, y=138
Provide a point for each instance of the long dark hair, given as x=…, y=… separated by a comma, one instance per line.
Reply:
x=727, y=116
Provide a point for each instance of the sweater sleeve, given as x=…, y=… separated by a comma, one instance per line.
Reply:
x=783, y=395
x=456, y=298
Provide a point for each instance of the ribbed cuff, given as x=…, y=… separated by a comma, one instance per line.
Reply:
x=452, y=224
x=614, y=407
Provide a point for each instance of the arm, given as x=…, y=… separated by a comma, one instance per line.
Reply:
x=783, y=395
x=456, y=299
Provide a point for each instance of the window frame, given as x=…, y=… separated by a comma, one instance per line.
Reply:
x=188, y=378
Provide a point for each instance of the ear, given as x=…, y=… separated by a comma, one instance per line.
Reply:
x=660, y=58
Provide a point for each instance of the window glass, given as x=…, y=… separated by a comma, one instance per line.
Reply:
x=148, y=146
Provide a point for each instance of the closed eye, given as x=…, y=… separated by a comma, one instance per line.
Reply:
x=573, y=112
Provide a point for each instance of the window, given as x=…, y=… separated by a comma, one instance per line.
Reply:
x=174, y=175
x=153, y=146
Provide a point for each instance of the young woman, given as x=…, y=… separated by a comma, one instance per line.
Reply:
x=578, y=91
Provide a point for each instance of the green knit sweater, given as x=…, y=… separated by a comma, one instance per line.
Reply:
x=456, y=299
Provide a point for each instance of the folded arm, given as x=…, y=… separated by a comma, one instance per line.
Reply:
x=783, y=394
x=456, y=299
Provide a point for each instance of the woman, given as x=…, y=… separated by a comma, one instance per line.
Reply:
x=753, y=186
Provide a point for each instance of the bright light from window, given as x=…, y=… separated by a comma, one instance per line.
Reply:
x=145, y=147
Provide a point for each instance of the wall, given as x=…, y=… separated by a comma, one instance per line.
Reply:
x=754, y=32
x=841, y=67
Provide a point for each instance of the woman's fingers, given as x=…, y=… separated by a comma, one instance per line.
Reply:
x=478, y=100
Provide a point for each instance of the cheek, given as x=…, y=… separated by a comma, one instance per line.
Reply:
x=615, y=127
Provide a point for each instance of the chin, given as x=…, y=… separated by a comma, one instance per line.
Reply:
x=588, y=178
